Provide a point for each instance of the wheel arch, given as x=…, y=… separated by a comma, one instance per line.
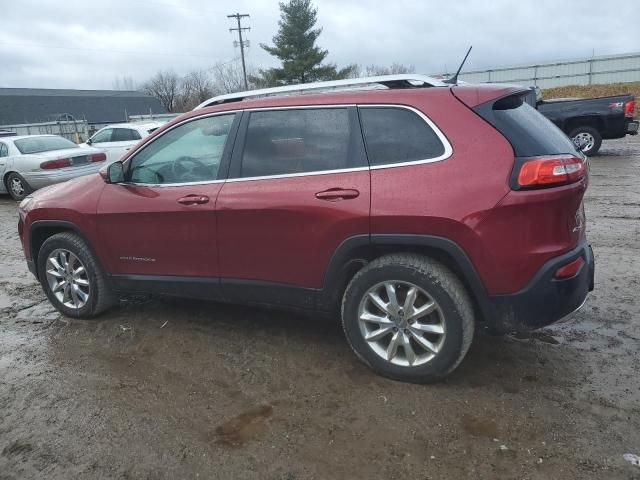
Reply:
x=584, y=121
x=41, y=230
x=356, y=252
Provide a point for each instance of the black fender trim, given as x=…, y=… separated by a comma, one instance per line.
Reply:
x=457, y=254
x=62, y=224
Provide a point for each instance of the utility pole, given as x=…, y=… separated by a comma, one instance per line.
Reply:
x=240, y=29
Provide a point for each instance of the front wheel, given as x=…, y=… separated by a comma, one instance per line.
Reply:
x=587, y=139
x=17, y=186
x=408, y=317
x=71, y=277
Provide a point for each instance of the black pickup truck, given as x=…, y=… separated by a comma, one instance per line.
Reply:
x=587, y=121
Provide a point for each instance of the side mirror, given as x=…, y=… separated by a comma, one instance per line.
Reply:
x=115, y=173
x=89, y=141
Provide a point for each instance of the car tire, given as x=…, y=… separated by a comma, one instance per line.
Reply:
x=80, y=289
x=589, y=135
x=17, y=186
x=446, y=329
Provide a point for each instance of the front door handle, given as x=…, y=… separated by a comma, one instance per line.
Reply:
x=335, y=194
x=193, y=200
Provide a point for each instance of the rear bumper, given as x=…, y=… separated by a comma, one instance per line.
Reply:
x=40, y=179
x=545, y=299
x=632, y=128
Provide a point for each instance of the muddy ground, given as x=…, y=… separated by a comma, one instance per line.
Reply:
x=163, y=388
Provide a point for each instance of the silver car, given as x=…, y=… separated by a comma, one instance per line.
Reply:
x=30, y=162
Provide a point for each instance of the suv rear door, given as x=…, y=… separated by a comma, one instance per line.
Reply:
x=298, y=187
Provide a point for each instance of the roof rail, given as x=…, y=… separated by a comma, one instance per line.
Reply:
x=390, y=81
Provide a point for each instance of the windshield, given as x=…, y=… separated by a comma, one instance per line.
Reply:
x=42, y=144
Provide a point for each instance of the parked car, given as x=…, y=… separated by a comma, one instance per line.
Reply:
x=7, y=133
x=589, y=120
x=117, y=139
x=416, y=213
x=29, y=162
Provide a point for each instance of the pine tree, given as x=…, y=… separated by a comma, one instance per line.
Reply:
x=295, y=46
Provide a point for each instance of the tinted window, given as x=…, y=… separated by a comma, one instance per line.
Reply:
x=124, y=135
x=297, y=141
x=43, y=144
x=4, y=151
x=188, y=153
x=102, y=136
x=529, y=132
x=396, y=135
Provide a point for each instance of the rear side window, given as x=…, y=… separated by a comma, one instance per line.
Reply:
x=397, y=135
x=529, y=132
x=124, y=135
x=281, y=142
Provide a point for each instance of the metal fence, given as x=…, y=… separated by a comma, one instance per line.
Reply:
x=75, y=130
x=592, y=70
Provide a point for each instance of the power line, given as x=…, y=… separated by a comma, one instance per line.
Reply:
x=124, y=52
x=240, y=29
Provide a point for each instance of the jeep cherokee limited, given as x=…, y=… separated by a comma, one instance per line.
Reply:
x=417, y=212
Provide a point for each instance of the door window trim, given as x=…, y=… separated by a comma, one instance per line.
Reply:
x=448, y=150
x=224, y=160
x=232, y=155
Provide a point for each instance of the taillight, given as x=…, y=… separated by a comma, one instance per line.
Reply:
x=59, y=163
x=629, y=107
x=571, y=269
x=540, y=172
x=98, y=157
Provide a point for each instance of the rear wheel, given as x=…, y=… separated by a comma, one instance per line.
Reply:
x=71, y=277
x=587, y=139
x=408, y=317
x=17, y=186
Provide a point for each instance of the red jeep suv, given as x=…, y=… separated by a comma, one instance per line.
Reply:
x=417, y=210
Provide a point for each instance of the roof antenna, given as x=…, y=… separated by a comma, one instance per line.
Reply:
x=454, y=80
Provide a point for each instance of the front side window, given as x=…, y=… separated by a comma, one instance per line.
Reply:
x=190, y=152
x=397, y=135
x=4, y=151
x=103, y=136
x=280, y=142
x=42, y=144
x=124, y=135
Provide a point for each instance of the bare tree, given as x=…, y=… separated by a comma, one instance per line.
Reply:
x=165, y=86
x=196, y=87
x=228, y=77
x=375, y=70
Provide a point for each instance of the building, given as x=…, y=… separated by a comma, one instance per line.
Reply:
x=96, y=107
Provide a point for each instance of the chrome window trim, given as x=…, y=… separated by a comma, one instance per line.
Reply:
x=448, y=149
x=186, y=120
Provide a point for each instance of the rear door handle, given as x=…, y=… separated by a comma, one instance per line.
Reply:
x=335, y=194
x=193, y=200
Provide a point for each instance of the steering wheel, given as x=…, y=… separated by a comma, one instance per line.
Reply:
x=186, y=169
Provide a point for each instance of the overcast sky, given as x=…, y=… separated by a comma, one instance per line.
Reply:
x=80, y=44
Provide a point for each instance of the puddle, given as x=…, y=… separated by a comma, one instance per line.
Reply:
x=480, y=427
x=244, y=427
x=537, y=335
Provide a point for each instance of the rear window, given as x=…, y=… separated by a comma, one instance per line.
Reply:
x=42, y=144
x=124, y=135
x=529, y=132
x=397, y=135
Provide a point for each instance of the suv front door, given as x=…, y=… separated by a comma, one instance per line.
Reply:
x=159, y=225
x=298, y=187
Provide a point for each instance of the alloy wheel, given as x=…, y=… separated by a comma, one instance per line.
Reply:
x=584, y=141
x=401, y=323
x=67, y=278
x=17, y=187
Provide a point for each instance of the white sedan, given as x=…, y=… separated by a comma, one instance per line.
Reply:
x=117, y=139
x=29, y=162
